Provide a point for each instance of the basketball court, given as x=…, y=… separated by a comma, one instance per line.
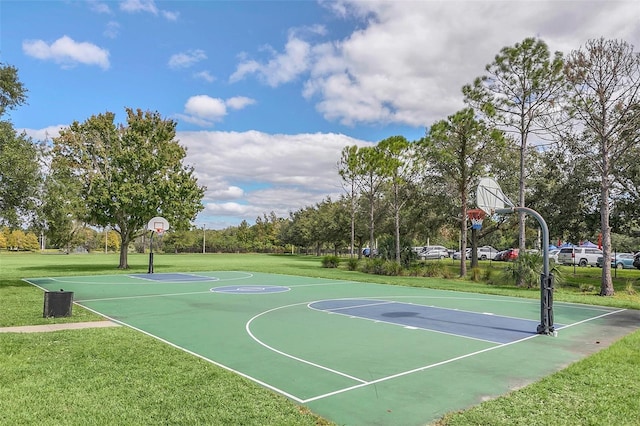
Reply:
x=355, y=353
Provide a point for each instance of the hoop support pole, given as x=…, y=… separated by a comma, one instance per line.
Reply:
x=546, y=279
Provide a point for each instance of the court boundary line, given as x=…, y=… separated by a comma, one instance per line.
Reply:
x=189, y=274
x=60, y=280
x=382, y=379
x=202, y=357
x=363, y=383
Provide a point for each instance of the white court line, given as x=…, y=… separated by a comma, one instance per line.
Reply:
x=69, y=279
x=142, y=296
x=362, y=382
x=415, y=370
x=304, y=361
x=260, y=382
x=446, y=333
x=382, y=379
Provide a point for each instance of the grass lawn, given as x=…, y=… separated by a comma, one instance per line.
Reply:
x=120, y=376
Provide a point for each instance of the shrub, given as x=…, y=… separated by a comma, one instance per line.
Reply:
x=476, y=274
x=352, y=263
x=629, y=288
x=330, y=261
x=434, y=269
x=526, y=269
x=379, y=266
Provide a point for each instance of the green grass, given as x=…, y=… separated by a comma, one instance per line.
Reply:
x=119, y=376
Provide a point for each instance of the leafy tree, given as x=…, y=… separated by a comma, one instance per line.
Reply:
x=401, y=171
x=374, y=173
x=19, y=169
x=603, y=93
x=462, y=149
x=128, y=174
x=348, y=170
x=3, y=241
x=520, y=93
x=12, y=91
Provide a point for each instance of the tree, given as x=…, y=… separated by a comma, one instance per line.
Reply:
x=128, y=174
x=603, y=94
x=19, y=168
x=12, y=91
x=373, y=172
x=520, y=93
x=462, y=149
x=400, y=169
x=348, y=170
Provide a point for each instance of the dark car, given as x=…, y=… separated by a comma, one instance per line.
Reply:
x=636, y=260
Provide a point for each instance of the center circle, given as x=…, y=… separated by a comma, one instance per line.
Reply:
x=250, y=289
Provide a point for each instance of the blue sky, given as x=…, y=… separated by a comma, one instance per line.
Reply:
x=267, y=93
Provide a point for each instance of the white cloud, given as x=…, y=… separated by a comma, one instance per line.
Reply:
x=139, y=6
x=170, y=16
x=251, y=173
x=281, y=68
x=205, y=75
x=100, y=7
x=239, y=102
x=204, y=111
x=67, y=52
x=148, y=6
x=406, y=65
x=47, y=133
x=112, y=30
x=186, y=59
x=206, y=107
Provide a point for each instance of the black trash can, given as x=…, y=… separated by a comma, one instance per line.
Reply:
x=57, y=303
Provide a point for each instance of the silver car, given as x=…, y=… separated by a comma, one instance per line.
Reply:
x=433, y=252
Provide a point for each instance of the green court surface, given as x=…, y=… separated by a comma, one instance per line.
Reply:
x=355, y=353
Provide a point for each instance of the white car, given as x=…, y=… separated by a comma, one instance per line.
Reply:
x=484, y=253
x=581, y=256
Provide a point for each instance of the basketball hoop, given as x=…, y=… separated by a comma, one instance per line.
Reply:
x=157, y=225
x=489, y=196
x=476, y=216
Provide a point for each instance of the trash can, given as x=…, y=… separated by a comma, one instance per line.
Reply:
x=57, y=303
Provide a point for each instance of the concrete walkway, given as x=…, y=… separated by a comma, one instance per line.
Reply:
x=57, y=327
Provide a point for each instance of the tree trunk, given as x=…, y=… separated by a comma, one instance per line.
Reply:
x=353, y=217
x=522, y=245
x=463, y=245
x=606, y=284
x=474, y=248
x=397, y=223
x=124, y=264
x=371, y=230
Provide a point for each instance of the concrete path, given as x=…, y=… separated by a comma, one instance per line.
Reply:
x=57, y=327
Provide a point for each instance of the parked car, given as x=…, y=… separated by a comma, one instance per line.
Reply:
x=619, y=261
x=500, y=255
x=511, y=254
x=581, y=256
x=636, y=260
x=553, y=255
x=366, y=252
x=457, y=255
x=484, y=253
x=433, y=252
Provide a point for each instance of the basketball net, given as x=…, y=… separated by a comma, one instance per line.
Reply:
x=160, y=232
x=476, y=216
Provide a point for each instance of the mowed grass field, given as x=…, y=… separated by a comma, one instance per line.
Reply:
x=120, y=376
